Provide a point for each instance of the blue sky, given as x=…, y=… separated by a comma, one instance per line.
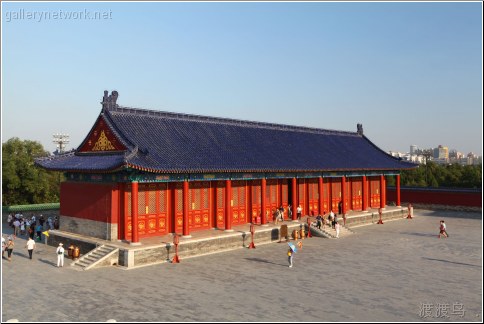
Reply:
x=411, y=73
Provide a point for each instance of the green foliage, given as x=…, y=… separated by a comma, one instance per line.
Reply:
x=22, y=181
x=449, y=176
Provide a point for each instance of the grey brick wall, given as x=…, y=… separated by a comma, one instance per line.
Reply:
x=88, y=227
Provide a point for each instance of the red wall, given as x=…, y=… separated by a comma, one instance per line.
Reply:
x=438, y=196
x=99, y=202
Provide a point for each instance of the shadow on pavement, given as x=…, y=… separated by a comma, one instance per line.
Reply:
x=265, y=261
x=420, y=234
x=49, y=262
x=447, y=261
x=452, y=213
x=20, y=254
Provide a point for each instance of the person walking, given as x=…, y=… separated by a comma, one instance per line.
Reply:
x=10, y=245
x=39, y=229
x=319, y=222
x=443, y=229
x=337, y=227
x=16, y=227
x=60, y=255
x=281, y=213
x=290, y=253
x=30, y=247
x=299, y=212
x=4, y=245
x=276, y=215
x=331, y=217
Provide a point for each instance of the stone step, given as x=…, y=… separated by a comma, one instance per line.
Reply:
x=89, y=259
x=330, y=232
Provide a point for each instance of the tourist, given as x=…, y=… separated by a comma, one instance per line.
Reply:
x=41, y=221
x=50, y=223
x=337, y=226
x=289, y=211
x=16, y=227
x=22, y=227
x=318, y=221
x=276, y=216
x=31, y=231
x=443, y=229
x=281, y=213
x=290, y=253
x=39, y=229
x=60, y=255
x=10, y=219
x=10, y=246
x=299, y=212
x=331, y=218
x=4, y=245
x=30, y=247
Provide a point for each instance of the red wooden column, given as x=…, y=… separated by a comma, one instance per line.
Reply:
x=186, y=229
x=134, y=212
x=263, y=201
x=121, y=209
x=320, y=191
x=343, y=195
x=294, y=199
x=364, y=196
x=382, y=190
x=228, y=205
x=398, y=191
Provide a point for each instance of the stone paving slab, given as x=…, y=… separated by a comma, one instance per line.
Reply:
x=389, y=272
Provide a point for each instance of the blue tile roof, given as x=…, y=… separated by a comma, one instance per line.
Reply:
x=178, y=143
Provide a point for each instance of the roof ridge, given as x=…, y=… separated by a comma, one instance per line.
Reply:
x=225, y=120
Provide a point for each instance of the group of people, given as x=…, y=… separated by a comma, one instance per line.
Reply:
x=278, y=213
x=33, y=226
x=9, y=244
x=332, y=220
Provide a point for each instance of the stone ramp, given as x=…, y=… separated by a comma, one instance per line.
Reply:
x=101, y=256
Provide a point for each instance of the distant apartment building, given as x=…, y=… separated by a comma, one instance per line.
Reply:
x=413, y=149
x=441, y=153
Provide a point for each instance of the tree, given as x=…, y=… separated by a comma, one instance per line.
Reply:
x=450, y=176
x=22, y=181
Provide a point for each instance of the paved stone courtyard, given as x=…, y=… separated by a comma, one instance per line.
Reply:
x=398, y=271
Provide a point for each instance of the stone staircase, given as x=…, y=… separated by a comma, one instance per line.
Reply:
x=102, y=255
x=329, y=232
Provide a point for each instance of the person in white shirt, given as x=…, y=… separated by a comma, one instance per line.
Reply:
x=30, y=247
x=16, y=228
x=299, y=212
x=336, y=226
x=60, y=255
x=4, y=245
x=331, y=215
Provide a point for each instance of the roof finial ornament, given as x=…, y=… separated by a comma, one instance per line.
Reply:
x=359, y=129
x=109, y=102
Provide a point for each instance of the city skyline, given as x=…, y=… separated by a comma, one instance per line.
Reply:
x=400, y=69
